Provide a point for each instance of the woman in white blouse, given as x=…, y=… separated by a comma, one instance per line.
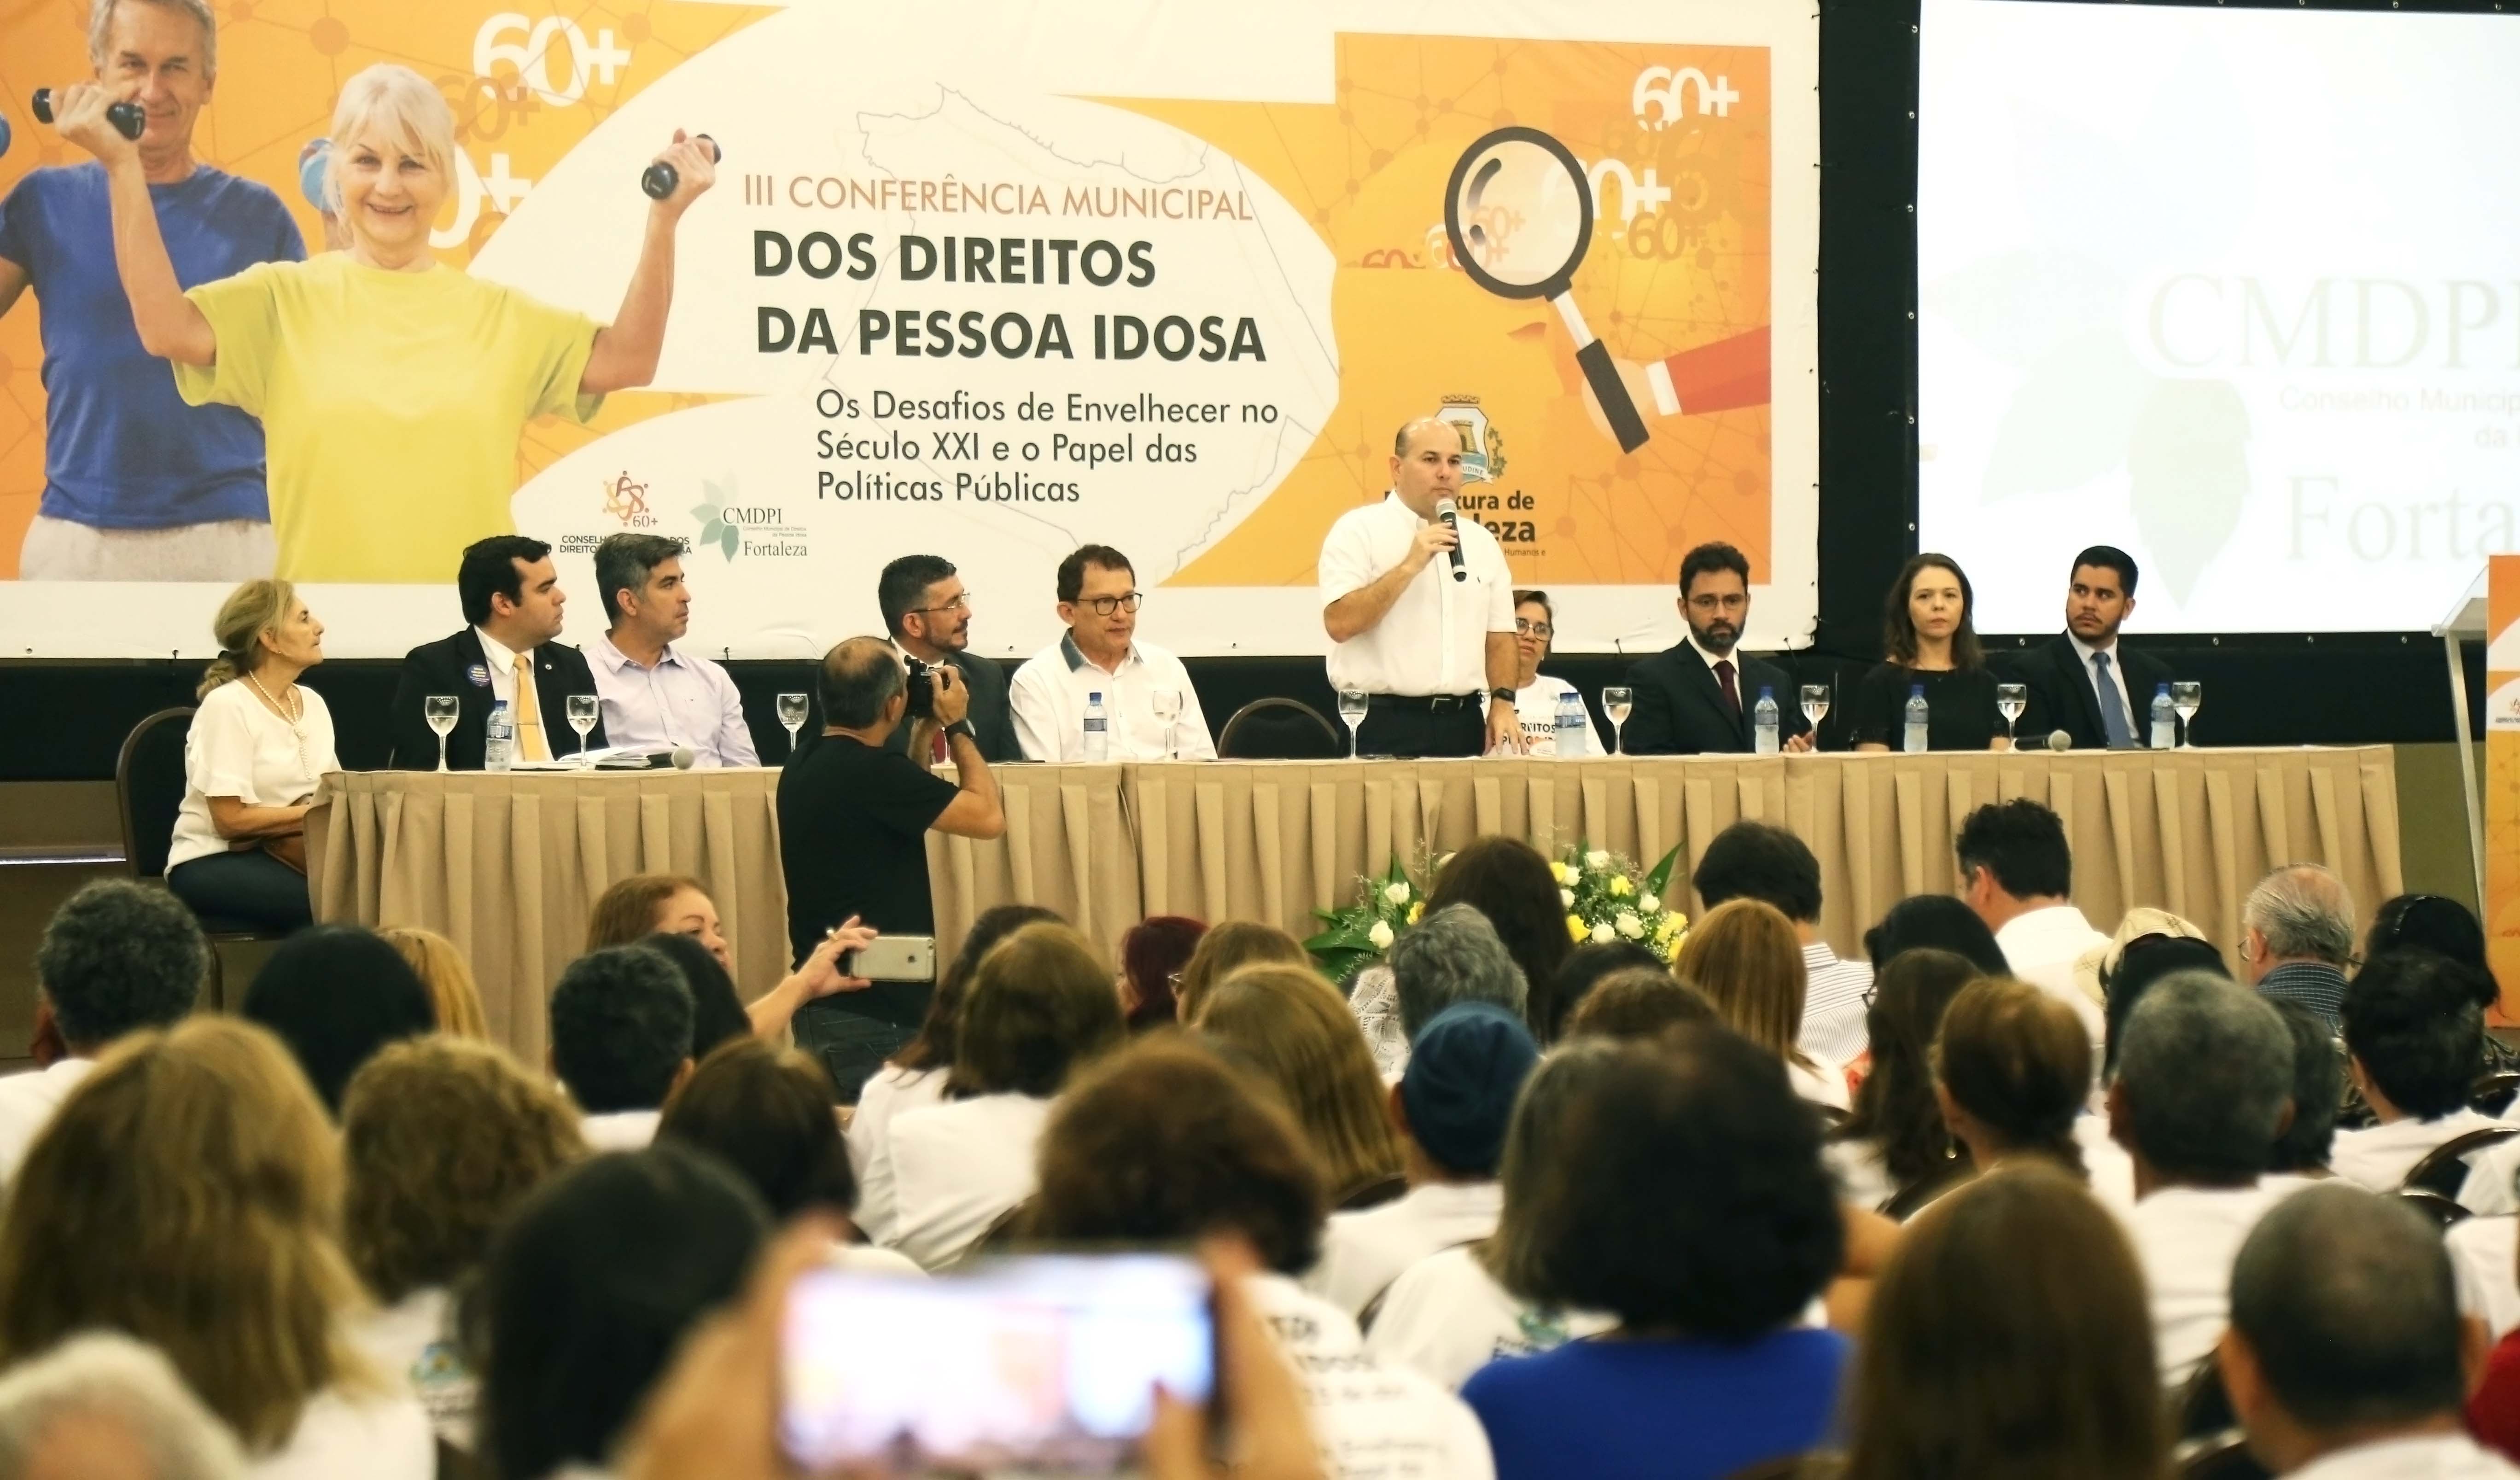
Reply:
x=260, y=740
x=1535, y=695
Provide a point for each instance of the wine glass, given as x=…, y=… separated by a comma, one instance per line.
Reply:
x=582, y=711
x=441, y=710
x=1352, y=714
x=1618, y=704
x=2010, y=700
x=791, y=715
x=2187, y=699
x=1167, y=706
x=1814, y=707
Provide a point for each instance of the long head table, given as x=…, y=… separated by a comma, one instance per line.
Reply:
x=508, y=865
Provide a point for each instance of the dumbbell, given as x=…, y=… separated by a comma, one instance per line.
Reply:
x=4, y=135
x=659, y=179
x=314, y=160
x=125, y=116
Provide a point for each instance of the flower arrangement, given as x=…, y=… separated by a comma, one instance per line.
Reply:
x=1606, y=898
x=1358, y=935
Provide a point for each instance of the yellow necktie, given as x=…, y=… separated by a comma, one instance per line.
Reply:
x=530, y=744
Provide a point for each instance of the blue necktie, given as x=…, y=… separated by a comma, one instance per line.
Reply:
x=2113, y=715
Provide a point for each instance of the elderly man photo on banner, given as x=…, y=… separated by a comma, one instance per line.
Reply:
x=138, y=486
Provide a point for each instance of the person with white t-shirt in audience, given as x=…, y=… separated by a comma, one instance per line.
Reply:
x=2303, y=1151
x=442, y=1139
x=2017, y=874
x=2012, y=1070
x=621, y=1042
x=258, y=743
x=1895, y=1137
x=1761, y=861
x=103, y=1406
x=1041, y=1007
x=1166, y=1142
x=1745, y=957
x=2346, y=1358
x=1451, y=1108
x=2203, y=1088
x=1101, y=656
x=2413, y=1037
x=189, y=1193
x=1453, y=954
x=1537, y=695
x=117, y=957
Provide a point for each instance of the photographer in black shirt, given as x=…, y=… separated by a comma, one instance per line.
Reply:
x=853, y=824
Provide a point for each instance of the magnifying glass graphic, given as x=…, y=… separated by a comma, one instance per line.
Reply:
x=1519, y=214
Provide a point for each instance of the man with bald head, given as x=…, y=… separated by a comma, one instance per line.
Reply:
x=2296, y=937
x=853, y=824
x=1420, y=613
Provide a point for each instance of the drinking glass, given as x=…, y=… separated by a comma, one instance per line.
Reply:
x=1352, y=715
x=1814, y=707
x=791, y=714
x=2010, y=700
x=441, y=710
x=582, y=711
x=1167, y=706
x=1618, y=704
x=2187, y=699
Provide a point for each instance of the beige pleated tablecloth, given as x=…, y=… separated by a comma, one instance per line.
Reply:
x=507, y=866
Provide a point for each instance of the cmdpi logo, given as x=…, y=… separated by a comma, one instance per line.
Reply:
x=1482, y=445
x=757, y=529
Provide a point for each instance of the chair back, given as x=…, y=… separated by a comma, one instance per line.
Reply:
x=2442, y=1210
x=2445, y=1166
x=2494, y=1092
x=149, y=787
x=1279, y=729
x=2223, y=1456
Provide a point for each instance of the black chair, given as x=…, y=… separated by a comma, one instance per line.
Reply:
x=2444, y=1168
x=2223, y=1456
x=148, y=791
x=1279, y=729
x=2443, y=1211
x=2493, y=1094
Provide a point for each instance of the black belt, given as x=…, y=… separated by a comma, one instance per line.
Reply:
x=1426, y=703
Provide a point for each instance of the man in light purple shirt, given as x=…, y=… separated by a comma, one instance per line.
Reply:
x=655, y=697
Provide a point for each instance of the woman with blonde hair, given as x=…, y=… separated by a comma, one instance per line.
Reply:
x=189, y=1192
x=442, y=969
x=391, y=389
x=1226, y=948
x=1291, y=1028
x=642, y=905
x=1746, y=958
x=258, y=743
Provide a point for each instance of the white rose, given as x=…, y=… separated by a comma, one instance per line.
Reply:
x=1380, y=935
x=1629, y=925
x=1596, y=859
x=1648, y=903
x=1602, y=935
x=1398, y=894
x=1566, y=898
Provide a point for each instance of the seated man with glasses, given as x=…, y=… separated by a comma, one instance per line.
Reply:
x=1697, y=696
x=1149, y=710
x=928, y=613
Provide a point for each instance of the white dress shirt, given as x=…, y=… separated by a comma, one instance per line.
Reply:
x=1536, y=704
x=502, y=662
x=2111, y=1167
x=2187, y=1239
x=2042, y=946
x=2491, y=1176
x=2427, y=1457
x=1371, y=1421
x=1446, y=1318
x=2379, y=1157
x=1049, y=692
x=1361, y=1253
x=1434, y=638
x=27, y=1106
x=238, y=747
x=620, y=1130
x=957, y=1168
x=684, y=699
x=1833, y=1005
x=2139, y=729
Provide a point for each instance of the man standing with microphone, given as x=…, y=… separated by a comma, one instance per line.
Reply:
x=1420, y=609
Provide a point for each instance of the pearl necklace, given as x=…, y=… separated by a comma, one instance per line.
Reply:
x=295, y=719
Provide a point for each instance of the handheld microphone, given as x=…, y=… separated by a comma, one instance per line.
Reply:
x=683, y=755
x=659, y=179
x=2058, y=741
x=1446, y=512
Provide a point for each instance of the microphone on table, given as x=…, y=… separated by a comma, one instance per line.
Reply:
x=683, y=755
x=1446, y=512
x=2060, y=740
x=659, y=179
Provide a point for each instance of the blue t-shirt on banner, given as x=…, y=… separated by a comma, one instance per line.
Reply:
x=121, y=450
x=1675, y=1410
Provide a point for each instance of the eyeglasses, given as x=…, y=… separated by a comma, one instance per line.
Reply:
x=1539, y=630
x=961, y=602
x=1104, y=605
x=1732, y=602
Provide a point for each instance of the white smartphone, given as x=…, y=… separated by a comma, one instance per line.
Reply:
x=894, y=958
x=1032, y=1361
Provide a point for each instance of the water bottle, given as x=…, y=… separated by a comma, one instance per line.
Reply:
x=1098, y=728
x=1763, y=722
x=2164, y=720
x=1915, y=742
x=1570, y=725
x=501, y=744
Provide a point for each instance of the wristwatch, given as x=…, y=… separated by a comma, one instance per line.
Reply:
x=963, y=727
x=1506, y=695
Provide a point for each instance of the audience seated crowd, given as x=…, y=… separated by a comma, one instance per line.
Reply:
x=2012, y=1195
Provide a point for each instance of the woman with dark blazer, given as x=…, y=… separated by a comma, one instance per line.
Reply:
x=1932, y=645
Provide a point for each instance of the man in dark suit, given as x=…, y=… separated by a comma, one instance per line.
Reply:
x=1697, y=696
x=2086, y=681
x=511, y=599
x=929, y=614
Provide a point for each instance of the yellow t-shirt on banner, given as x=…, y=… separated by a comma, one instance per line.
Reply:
x=390, y=403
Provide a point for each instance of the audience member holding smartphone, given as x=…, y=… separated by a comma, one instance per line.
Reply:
x=853, y=823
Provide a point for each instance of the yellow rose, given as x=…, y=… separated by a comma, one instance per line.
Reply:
x=1558, y=871
x=1576, y=930
x=1620, y=887
x=1416, y=911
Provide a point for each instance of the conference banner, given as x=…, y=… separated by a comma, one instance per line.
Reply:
x=2502, y=776
x=989, y=281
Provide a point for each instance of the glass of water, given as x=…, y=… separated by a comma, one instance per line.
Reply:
x=440, y=710
x=1814, y=708
x=1166, y=703
x=2010, y=700
x=1618, y=704
x=791, y=715
x=582, y=711
x=1352, y=714
x=2187, y=699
